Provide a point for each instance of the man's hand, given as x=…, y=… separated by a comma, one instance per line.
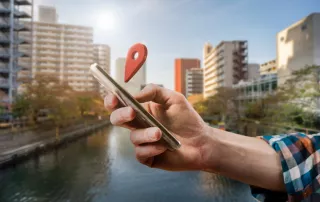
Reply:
x=178, y=116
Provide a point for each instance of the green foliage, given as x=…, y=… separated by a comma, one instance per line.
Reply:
x=21, y=106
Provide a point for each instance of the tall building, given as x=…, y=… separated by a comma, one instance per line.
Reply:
x=194, y=81
x=269, y=67
x=66, y=51
x=181, y=66
x=137, y=81
x=224, y=65
x=11, y=27
x=101, y=54
x=253, y=71
x=298, y=45
x=48, y=14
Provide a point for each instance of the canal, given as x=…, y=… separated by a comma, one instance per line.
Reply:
x=102, y=167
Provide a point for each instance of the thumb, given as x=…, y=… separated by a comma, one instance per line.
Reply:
x=155, y=94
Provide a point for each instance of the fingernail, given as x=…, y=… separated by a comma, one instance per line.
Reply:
x=154, y=134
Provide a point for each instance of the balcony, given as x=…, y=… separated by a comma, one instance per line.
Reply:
x=21, y=14
x=4, y=42
x=23, y=2
x=4, y=69
x=4, y=56
x=4, y=11
x=4, y=83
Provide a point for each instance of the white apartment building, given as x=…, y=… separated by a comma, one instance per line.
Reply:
x=269, y=67
x=137, y=81
x=101, y=54
x=66, y=51
x=224, y=65
x=297, y=46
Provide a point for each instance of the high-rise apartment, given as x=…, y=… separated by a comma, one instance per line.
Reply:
x=66, y=51
x=269, y=67
x=297, y=46
x=194, y=81
x=11, y=27
x=101, y=54
x=137, y=81
x=181, y=66
x=48, y=14
x=224, y=65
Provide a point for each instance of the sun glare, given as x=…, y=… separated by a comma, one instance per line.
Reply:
x=106, y=21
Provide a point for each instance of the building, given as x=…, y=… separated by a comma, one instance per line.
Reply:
x=136, y=83
x=66, y=52
x=251, y=91
x=194, y=81
x=180, y=67
x=101, y=55
x=48, y=14
x=11, y=27
x=253, y=71
x=269, y=67
x=224, y=65
x=297, y=46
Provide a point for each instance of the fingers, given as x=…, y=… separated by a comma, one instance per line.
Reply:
x=145, y=154
x=142, y=136
x=110, y=102
x=154, y=93
x=122, y=115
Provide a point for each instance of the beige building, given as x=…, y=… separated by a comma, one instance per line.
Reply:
x=298, y=45
x=137, y=81
x=194, y=81
x=269, y=67
x=101, y=55
x=48, y=14
x=224, y=65
x=66, y=51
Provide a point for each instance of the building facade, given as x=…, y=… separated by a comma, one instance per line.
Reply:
x=48, y=14
x=66, y=52
x=297, y=46
x=101, y=55
x=136, y=83
x=194, y=81
x=269, y=67
x=181, y=65
x=224, y=65
x=11, y=27
x=253, y=71
x=251, y=91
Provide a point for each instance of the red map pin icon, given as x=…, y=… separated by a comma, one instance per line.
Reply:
x=133, y=64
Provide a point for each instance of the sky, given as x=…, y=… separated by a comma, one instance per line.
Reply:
x=179, y=28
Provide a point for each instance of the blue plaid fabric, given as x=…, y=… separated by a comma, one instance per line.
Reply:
x=300, y=160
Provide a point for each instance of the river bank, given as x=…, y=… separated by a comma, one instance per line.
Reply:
x=16, y=148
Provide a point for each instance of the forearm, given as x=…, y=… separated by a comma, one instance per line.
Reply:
x=246, y=159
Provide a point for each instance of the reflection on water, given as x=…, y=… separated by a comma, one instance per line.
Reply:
x=102, y=167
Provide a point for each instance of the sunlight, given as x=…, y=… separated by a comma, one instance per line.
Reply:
x=106, y=21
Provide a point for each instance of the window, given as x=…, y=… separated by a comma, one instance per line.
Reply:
x=282, y=39
x=303, y=27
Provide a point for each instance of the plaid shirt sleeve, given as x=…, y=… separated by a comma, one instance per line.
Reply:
x=300, y=160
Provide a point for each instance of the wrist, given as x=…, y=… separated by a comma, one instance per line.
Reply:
x=210, y=150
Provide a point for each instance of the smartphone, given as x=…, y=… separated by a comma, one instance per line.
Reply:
x=143, y=118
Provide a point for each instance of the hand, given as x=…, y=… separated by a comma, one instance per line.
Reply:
x=177, y=115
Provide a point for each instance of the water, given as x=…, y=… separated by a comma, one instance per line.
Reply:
x=102, y=167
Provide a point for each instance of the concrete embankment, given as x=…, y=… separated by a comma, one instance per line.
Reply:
x=15, y=155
